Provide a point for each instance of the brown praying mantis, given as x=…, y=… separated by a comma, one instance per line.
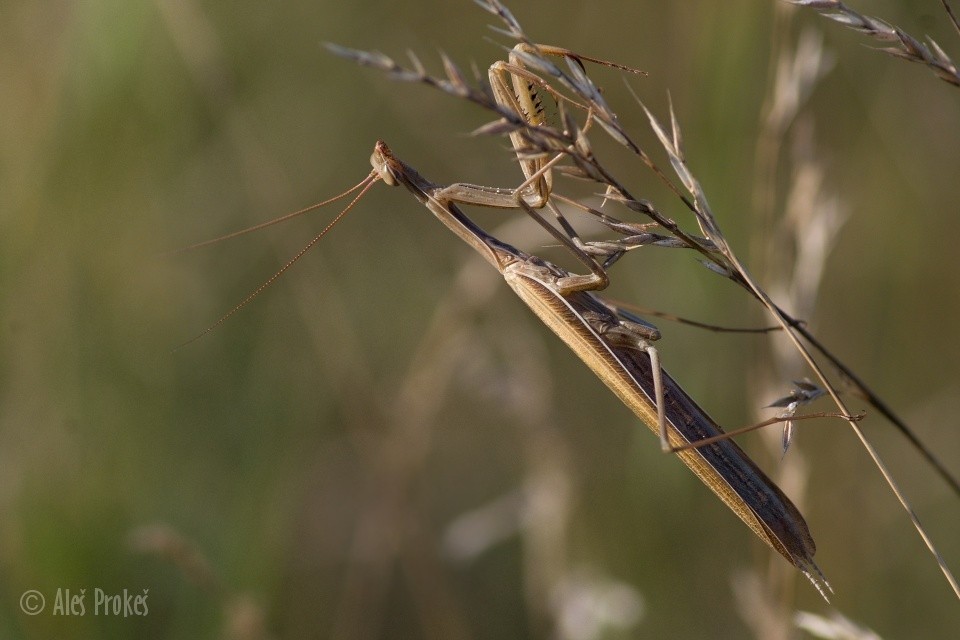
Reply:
x=614, y=344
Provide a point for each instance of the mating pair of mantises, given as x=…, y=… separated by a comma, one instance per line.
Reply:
x=614, y=343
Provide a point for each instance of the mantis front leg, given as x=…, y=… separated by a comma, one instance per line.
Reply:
x=518, y=89
x=470, y=194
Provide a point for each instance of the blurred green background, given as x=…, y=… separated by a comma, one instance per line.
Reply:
x=386, y=444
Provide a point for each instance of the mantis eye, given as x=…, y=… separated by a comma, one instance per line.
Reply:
x=382, y=167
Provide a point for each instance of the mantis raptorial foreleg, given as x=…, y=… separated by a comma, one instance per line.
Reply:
x=493, y=197
x=517, y=89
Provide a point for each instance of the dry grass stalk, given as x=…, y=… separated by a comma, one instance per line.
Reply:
x=905, y=46
x=792, y=256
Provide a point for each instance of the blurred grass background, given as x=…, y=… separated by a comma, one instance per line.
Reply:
x=298, y=470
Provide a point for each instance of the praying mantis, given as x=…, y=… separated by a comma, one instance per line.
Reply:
x=614, y=344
